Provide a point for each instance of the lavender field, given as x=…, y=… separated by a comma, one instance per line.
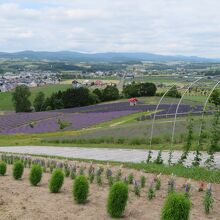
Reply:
x=84, y=117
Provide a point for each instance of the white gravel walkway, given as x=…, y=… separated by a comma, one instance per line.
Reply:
x=121, y=155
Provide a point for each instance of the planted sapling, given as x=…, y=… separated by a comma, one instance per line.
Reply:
x=91, y=169
x=208, y=199
x=130, y=178
x=118, y=175
x=158, y=182
x=151, y=192
x=171, y=184
x=187, y=188
x=81, y=170
x=149, y=156
x=137, y=189
x=108, y=172
x=73, y=172
x=159, y=159
x=66, y=170
x=143, y=181
x=99, y=176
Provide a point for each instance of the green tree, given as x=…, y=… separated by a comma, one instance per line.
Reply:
x=139, y=89
x=173, y=92
x=215, y=97
x=110, y=93
x=20, y=99
x=39, y=102
x=99, y=93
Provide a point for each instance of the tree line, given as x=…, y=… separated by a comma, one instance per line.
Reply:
x=77, y=97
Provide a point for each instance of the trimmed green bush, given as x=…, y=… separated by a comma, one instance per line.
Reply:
x=56, y=181
x=35, y=174
x=18, y=169
x=177, y=207
x=80, y=189
x=117, y=199
x=3, y=168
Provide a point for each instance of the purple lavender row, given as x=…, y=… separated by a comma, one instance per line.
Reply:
x=77, y=122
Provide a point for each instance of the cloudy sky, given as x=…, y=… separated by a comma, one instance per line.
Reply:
x=186, y=27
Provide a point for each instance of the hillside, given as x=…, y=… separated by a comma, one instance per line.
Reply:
x=101, y=57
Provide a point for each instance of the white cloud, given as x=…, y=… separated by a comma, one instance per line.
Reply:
x=161, y=26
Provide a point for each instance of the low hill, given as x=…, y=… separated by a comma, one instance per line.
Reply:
x=101, y=57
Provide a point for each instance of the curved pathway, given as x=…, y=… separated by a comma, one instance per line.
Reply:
x=106, y=154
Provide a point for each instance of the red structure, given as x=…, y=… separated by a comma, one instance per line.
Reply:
x=133, y=101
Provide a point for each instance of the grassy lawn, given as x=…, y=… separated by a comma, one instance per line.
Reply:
x=6, y=103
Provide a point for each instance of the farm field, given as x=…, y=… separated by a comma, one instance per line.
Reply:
x=20, y=200
x=113, y=124
x=84, y=117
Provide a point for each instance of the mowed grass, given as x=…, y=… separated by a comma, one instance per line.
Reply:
x=6, y=97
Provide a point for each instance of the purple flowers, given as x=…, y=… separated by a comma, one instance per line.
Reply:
x=80, y=117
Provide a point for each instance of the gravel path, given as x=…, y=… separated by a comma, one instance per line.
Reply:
x=122, y=155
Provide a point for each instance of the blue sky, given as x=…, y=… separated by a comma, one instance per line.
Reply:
x=186, y=27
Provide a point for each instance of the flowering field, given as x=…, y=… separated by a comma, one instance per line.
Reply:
x=83, y=117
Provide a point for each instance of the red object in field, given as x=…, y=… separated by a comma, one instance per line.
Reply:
x=132, y=100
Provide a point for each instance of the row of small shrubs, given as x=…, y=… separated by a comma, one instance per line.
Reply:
x=118, y=194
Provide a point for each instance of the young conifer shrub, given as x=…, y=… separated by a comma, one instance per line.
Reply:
x=56, y=181
x=80, y=189
x=117, y=199
x=176, y=206
x=3, y=168
x=35, y=174
x=18, y=169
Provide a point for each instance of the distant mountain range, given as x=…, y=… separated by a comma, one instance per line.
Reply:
x=100, y=57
